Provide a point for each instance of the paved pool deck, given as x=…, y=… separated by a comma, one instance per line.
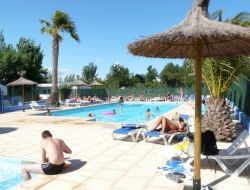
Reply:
x=98, y=161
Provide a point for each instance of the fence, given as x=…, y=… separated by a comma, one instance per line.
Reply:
x=154, y=92
x=240, y=95
x=101, y=93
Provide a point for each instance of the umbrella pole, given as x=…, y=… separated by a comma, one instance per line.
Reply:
x=197, y=134
x=23, y=97
x=32, y=92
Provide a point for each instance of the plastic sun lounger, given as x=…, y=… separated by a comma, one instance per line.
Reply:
x=35, y=106
x=152, y=136
x=127, y=130
x=231, y=154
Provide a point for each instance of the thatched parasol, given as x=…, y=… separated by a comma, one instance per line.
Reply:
x=95, y=83
x=78, y=83
x=21, y=82
x=196, y=37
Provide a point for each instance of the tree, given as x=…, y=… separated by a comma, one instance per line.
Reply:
x=61, y=22
x=151, y=76
x=27, y=56
x=219, y=75
x=31, y=58
x=9, y=62
x=243, y=19
x=217, y=15
x=70, y=78
x=89, y=73
x=137, y=80
x=169, y=75
x=117, y=77
x=185, y=74
x=2, y=41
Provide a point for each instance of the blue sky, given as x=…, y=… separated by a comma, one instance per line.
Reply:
x=105, y=27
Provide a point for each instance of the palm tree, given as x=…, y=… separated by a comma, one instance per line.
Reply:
x=219, y=75
x=243, y=19
x=61, y=22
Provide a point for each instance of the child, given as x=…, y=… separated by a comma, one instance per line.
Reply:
x=148, y=114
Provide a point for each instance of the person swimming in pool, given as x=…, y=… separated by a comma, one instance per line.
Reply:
x=52, y=157
x=148, y=114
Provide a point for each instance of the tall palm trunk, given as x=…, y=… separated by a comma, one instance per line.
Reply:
x=54, y=88
x=218, y=119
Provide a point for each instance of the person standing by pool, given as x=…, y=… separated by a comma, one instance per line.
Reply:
x=203, y=107
x=52, y=157
x=148, y=114
x=121, y=102
x=157, y=108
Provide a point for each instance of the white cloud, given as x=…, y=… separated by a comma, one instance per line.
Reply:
x=63, y=72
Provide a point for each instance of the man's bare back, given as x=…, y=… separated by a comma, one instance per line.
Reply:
x=52, y=157
x=53, y=148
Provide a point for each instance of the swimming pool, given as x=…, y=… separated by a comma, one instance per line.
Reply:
x=10, y=172
x=129, y=112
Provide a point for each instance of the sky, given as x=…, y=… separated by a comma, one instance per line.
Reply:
x=105, y=27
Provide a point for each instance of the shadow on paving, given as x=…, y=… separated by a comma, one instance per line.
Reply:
x=76, y=164
x=4, y=130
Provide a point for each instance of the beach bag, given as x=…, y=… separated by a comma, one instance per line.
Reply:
x=208, y=143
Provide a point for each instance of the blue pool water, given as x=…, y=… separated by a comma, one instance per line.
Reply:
x=10, y=172
x=130, y=112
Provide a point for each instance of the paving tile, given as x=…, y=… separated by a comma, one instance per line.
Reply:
x=127, y=183
x=162, y=181
x=118, y=165
x=96, y=184
x=58, y=184
x=109, y=174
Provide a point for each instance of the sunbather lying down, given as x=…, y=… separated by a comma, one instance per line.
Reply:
x=164, y=124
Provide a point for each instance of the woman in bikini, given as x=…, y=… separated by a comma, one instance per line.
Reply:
x=163, y=124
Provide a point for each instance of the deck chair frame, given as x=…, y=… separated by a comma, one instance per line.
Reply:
x=122, y=133
x=231, y=154
x=219, y=159
x=36, y=106
x=166, y=137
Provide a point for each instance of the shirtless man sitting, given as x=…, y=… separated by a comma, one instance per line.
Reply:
x=164, y=124
x=52, y=157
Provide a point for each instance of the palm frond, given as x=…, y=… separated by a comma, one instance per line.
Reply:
x=46, y=23
x=217, y=15
x=243, y=17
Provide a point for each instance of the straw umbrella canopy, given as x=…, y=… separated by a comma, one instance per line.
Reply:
x=78, y=83
x=196, y=37
x=95, y=83
x=22, y=82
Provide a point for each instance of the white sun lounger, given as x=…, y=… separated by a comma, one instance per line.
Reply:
x=38, y=106
x=127, y=130
x=230, y=154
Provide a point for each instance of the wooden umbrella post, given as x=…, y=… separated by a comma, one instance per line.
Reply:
x=32, y=92
x=23, y=97
x=197, y=134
